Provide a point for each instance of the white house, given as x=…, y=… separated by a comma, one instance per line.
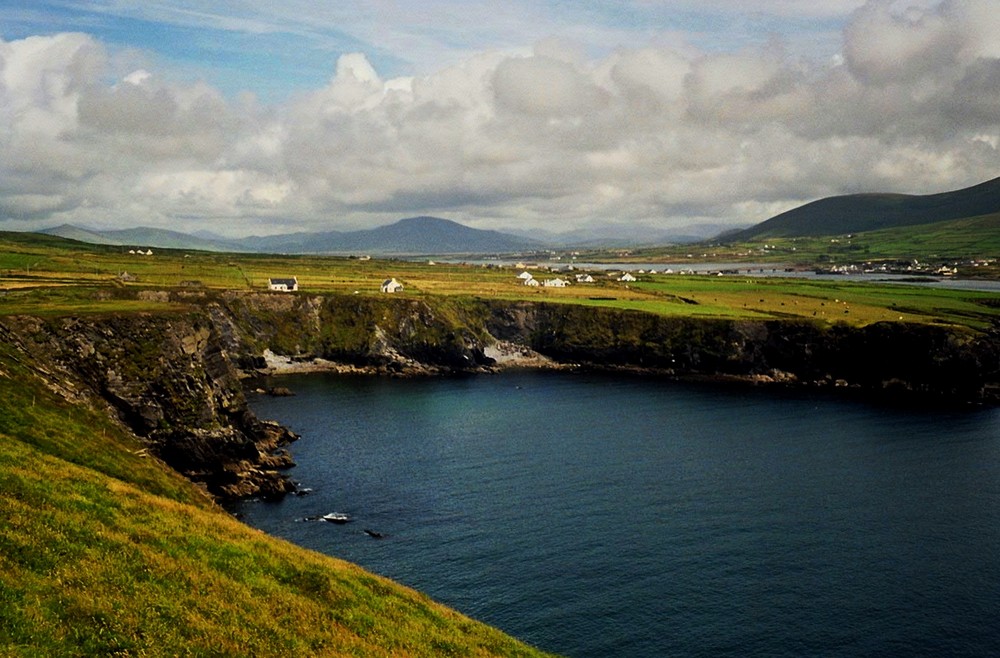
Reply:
x=283, y=285
x=626, y=277
x=584, y=278
x=391, y=285
x=524, y=276
x=531, y=281
x=555, y=283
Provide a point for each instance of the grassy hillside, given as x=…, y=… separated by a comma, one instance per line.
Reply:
x=969, y=237
x=106, y=552
x=870, y=212
x=949, y=241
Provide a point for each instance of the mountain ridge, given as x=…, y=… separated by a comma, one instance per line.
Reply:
x=408, y=236
x=856, y=213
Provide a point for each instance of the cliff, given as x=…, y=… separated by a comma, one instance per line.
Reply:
x=399, y=335
x=902, y=360
x=174, y=379
x=167, y=379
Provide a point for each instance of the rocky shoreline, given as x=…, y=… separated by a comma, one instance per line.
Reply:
x=179, y=381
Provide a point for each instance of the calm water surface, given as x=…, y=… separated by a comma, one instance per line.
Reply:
x=598, y=516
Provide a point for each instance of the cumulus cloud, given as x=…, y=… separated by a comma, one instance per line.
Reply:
x=547, y=138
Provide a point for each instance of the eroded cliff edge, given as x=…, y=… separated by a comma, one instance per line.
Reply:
x=176, y=378
x=168, y=380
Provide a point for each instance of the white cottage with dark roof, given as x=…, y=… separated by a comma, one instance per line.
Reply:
x=391, y=285
x=283, y=285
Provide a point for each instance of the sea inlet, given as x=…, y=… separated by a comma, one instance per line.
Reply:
x=593, y=515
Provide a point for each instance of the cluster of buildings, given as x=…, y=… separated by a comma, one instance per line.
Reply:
x=906, y=267
x=528, y=279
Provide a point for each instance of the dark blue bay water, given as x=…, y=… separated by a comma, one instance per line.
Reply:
x=600, y=516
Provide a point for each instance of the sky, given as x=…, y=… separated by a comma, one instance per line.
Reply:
x=241, y=117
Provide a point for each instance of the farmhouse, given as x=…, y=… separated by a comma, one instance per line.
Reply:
x=626, y=277
x=555, y=283
x=283, y=285
x=391, y=285
x=584, y=278
x=524, y=276
x=531, y=281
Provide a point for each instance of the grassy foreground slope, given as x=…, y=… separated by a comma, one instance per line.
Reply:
x=104, y=551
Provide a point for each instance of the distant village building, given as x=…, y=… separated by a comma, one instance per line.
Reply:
x=584, y=278
x=283, y=285
x=525, y=276
x=626, y=277
x=531, y=281
x=555, y=283
x=391, y=285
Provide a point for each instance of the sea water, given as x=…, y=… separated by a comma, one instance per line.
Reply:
x=621, y=516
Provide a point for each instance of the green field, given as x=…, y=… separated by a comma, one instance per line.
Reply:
x=53, y=276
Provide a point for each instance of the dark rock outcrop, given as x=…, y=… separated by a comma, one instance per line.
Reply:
x=170, y=381
x=947, y=363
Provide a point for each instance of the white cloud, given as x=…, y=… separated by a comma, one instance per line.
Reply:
x=551, y=136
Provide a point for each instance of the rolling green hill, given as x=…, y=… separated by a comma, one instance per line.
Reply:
x=968, y=237
x=856, y=213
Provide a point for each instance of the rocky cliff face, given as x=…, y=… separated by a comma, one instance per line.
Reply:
x=175, y=379
x=405, y=335
x=387, y=334
x=170, y=381
x=908, y=360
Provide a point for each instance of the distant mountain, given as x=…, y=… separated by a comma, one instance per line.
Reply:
x=164, y=239
x=80, y=234
x=415, y=235
x=855, y=213
x=608, y=235
x=142, y=237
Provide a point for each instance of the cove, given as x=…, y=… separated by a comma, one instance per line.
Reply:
x=596, y=515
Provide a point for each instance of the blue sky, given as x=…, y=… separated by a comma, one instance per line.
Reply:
x=277, y=49
x=253, y=116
